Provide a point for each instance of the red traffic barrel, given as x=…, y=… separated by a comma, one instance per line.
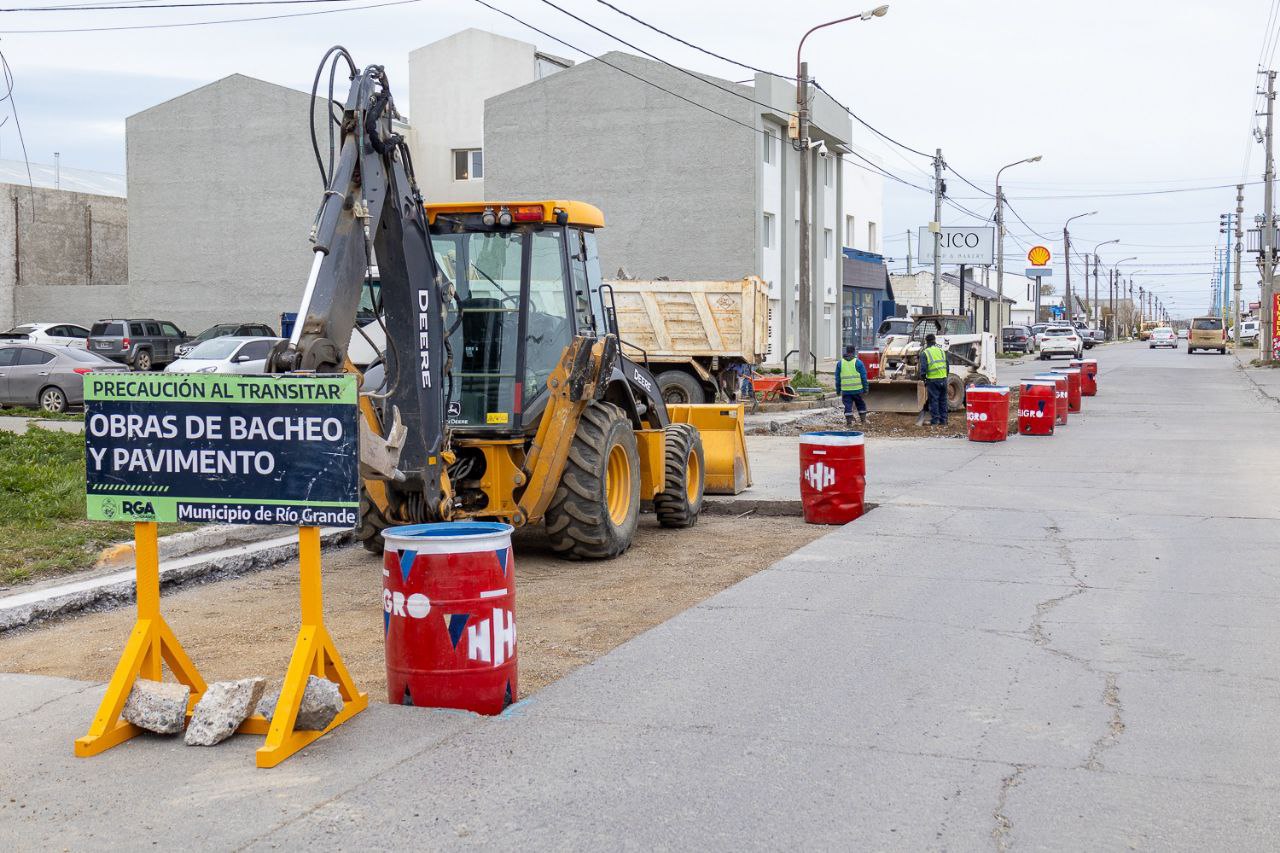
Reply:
x=449, y=615
x=1074, y=389
x=833, y=476
x=1062, y=397
x=987, y=410
x=871, y=361
x=1037, y=406
x=1088, y=375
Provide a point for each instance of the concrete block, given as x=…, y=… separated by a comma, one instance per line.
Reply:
x=221, y=710
x=157, y=706
x=321, y=702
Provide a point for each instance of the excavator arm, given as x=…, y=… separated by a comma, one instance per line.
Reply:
x=372, y=209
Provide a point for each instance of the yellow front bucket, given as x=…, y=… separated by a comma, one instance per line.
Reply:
x=724, y=444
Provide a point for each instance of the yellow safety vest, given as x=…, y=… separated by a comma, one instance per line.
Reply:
x=850, y=378
x=935, y=363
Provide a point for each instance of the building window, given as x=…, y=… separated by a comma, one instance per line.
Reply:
x=828, y=243
x=766, y=231
x=871, y=236
x=468, y=164
x=848, y=231
x=827, y=171
x=770, y=139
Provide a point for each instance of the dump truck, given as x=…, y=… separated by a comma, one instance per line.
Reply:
x=971, y=357
x=694, y=336
x=500, y=391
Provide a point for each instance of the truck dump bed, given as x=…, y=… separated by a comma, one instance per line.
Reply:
x=695, y=319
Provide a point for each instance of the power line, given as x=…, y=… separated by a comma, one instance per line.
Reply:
x=868, y=126
x=133, y=7
x=1166, y=191
x=346, y=8
x=690, y=44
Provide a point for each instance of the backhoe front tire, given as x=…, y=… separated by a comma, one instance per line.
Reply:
x=372, y=523
x=596, y=507
x=680, y=501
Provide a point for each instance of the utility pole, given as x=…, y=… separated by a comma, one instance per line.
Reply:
x=936, y=227
x=1111, y=299
x=1066, y=256
x=1267, y=243
x=908, y=251
x=1096, y=320
x=1235, y=293
x=803, y=286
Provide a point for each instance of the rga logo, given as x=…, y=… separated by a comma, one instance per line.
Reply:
x=1030, y=413
x=976, y=416
x=819, y=475
x=109, y=508
x=138, y=509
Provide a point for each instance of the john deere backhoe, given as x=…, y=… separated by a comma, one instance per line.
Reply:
x=503, y=392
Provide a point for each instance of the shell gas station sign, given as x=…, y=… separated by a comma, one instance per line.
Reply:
x=1039, y=257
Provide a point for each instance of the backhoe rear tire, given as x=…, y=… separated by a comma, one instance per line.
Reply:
x=680, y=501
x=372, y=523
x=596, y=507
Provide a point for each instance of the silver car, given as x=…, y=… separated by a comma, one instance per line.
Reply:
x=242, y=355
x=51, y=377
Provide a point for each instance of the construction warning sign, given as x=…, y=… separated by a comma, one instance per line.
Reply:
x=222, y=449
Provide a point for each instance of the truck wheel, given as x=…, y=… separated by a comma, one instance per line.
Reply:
x=372, y=523
x=678, y=387
x=955, y=393
x=596, y=507
x=680, y=501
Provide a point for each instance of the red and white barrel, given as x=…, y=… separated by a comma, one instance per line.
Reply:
x=987, y=410
x=1074, y=389
x=871, y=361
x=1037, y=406
x=833, y=476
x=1088, y=375
x=449, y=616
x=1062, y=397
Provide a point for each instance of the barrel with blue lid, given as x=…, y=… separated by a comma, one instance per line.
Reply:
x=1037, y=406
x=1074, y=389
x=1062, y=397
x=833, y=476
x=987, y=411
x=449, y=606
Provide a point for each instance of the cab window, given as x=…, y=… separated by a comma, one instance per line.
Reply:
x=548, y=330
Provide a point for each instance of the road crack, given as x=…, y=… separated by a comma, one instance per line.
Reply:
x=1115, y=726
x=1002, y=834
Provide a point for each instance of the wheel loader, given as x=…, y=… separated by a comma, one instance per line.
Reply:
x=971, y=359
x=503, y=391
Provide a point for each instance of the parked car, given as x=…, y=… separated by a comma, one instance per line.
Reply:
x=1018, y=339
x=1162, y=336
x=1061, y=340
x=222, y=330
x=1090, y=335
x=1182, y=334
x=240, y=355
x=1207, y=333
x=1037, y=329
x=51, y=377
x=53, y=334
x=1250, y=330
x=890, y=327
x=141, y=344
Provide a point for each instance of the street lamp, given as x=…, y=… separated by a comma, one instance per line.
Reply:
x=804, y=294
x=1093, y=303
x=1066, y=255
x=1113, y=293
x=1000, y=246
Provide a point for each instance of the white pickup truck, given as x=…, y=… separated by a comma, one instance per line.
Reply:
x=1090, y=335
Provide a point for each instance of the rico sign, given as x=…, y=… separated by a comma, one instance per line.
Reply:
x=971, y=246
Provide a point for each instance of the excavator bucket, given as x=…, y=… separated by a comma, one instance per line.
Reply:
x=724, y=444
x=896, y=395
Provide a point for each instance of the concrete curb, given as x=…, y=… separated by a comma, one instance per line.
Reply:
x=111, y=590
x=182, y=544
x=14, y=423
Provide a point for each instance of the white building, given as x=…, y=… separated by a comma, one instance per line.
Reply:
x=449, y=81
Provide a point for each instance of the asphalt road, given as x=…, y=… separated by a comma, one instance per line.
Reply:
x=1062, y=643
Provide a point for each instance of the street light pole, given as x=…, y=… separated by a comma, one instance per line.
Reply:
x=804, y=287
x=1066, y=255
x=1000, y=246
x=1093, y=303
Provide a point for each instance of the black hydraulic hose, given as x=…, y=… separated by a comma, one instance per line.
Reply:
x=336, y=52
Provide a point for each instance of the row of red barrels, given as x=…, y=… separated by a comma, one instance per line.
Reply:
x=1045, y=401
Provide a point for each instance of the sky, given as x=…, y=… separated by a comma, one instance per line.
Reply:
x=1119, y=97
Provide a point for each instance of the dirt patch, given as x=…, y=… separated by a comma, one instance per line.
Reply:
x=569, y=613
x=880, y=424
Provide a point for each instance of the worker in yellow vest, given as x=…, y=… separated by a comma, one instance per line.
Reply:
x=851, y=384
x=933, y=370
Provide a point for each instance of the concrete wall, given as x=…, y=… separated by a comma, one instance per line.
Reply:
x=63, y=255
x=223, y=187
x=449, y=81
x=676, y=183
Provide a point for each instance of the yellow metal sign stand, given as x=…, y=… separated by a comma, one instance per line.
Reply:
x=153, y=642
